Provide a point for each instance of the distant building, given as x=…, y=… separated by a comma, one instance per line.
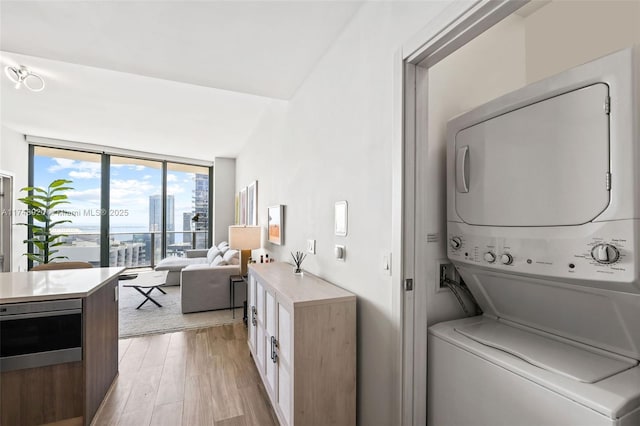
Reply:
x=186, y=226
x=155, y=216
x=201, y=207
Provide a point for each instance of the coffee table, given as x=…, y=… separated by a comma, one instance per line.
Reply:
x=148, y=280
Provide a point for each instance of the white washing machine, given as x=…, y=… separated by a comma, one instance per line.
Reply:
x=543, y=213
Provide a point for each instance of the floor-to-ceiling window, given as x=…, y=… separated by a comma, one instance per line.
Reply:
x=187, y=203
x=83, y=169
x=126, y=211
x=135, y=220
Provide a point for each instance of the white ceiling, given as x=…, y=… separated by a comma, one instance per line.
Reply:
x=185, y=77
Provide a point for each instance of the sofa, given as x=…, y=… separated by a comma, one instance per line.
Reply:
x=175, y=264
x=205, y=286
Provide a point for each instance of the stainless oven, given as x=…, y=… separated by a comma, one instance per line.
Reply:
x=36, y=334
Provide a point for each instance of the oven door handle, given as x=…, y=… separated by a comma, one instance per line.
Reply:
x=40, y=314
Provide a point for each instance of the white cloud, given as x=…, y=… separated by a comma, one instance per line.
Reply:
x=171, y=178
x=88, y=198
x=84, y=175
x=175, y=189
x=146, y=177
x=61, y=164
x=129, y=193
x=77, y=169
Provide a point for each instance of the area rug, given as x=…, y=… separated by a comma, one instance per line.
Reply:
x=150, y=319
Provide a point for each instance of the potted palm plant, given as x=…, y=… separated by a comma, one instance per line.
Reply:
x=42, y=204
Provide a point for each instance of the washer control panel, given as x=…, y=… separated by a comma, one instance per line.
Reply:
x=594, y=252
x=605, y=253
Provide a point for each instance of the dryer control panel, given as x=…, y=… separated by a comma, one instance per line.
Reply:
x=599, y=253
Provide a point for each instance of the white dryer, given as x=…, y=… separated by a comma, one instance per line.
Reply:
x=543, y=212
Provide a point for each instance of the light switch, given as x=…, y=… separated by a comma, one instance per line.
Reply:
x=386, y=263
x=311, y=246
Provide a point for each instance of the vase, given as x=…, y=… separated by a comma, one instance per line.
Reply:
x=297, y=271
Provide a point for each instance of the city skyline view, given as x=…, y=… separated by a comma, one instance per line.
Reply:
x=132, y=185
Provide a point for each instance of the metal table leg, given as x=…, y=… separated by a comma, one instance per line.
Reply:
x=147, y=297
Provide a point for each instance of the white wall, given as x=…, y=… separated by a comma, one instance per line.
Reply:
x=14, y=158
x=332, y=142
x=564, y=34
x=487, y=67
x=224, y=183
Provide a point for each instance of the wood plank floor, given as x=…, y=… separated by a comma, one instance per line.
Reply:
x=191, y=378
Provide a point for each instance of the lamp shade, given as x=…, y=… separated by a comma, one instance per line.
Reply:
x=244, y=237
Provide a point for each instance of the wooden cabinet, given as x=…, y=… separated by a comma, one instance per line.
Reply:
x=302, y=335
x=69, y=392
x=100, y=346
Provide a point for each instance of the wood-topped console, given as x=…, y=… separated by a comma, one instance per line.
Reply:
x=302, y=335
x=70, y=391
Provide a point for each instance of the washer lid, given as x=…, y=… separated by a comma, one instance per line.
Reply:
x=577, y=362
x=545, y=164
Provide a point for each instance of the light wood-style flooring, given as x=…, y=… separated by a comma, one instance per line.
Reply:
x=190, y=378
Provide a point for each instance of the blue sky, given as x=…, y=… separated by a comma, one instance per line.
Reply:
x=131, y=186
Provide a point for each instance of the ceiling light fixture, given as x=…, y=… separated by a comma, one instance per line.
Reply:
x=22, y=76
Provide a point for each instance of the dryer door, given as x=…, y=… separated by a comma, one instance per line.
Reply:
x=545, y=164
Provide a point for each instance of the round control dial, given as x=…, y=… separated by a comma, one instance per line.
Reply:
x=490, y=257
x=605, y=253
x=455, y=242
x=506, y=259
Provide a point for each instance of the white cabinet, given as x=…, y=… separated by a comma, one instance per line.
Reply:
x=302, y=335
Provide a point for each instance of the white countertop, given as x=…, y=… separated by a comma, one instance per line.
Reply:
x=50, y=285
x=305, y=289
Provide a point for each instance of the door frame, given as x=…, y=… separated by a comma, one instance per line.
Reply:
x=8, y=213
x=458, y=24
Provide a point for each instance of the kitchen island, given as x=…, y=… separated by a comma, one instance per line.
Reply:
x=59, y=341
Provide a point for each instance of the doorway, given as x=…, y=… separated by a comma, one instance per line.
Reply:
x=490, y=49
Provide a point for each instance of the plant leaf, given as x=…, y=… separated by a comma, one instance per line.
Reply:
x=59, y=182
x=33, y=188
x=55, y=203
x=52, y=224
x=61, y=188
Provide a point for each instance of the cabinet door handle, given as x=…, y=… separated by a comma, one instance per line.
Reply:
x=274, y=349
x=272, y=339
x=254, y=313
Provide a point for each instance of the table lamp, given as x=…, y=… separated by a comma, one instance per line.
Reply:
x=244, y=238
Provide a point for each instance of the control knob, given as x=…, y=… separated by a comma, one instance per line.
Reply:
x=506, y=259
x=490, y=257
x=455, y=243
x=605, y=253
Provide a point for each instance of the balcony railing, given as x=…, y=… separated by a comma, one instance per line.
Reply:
x=130, y=250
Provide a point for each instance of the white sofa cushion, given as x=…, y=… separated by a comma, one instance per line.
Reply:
x=218, y=261
x=212, y=253
x=223, y=244
x=232, y=257
x=177, y=263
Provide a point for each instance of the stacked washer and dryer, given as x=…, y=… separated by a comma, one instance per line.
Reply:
x=543, y=221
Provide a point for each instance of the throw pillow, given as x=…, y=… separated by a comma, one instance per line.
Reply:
x=212, y=253
x=218, y=261
x=223, y=244
x=223, y=250
x=229, y=255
